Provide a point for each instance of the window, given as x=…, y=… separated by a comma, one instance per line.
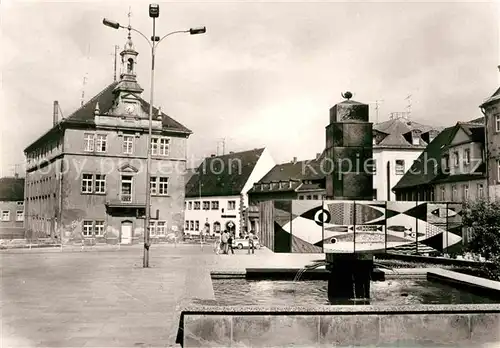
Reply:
x=231, y=205
x=20, y=215
x=431, y=196
x=5, y=215
x=160, y=228
x=187, y=225
x=100, y=183
x=196, y=205
x=446, y=162
x=453, y=192
x=466, y=192
x=88, y=142
x=206, y=205
x=480, y=191
x=192, y=225
x=197, y=225
x=455, y=159
x=163, y=186
x=301, y=197
x=87, y=180
x=164, y=146
x=443, y=193
x=151, y=228
x=128, y=144
x=153, y=185
x=20, y=203
x=100, y=143
x=154, y=146
x=374, y=194
x=400, y=167
x=126, y=188
x=160, y=146
x=87, y=228
x=467, y=156
x=190, y=205
x=315, y=197
x=99, y=228
x=308, y=197
x=215, y=205
x=497, y=122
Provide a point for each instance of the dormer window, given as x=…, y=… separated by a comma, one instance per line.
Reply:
x=456, y=159
x=467, y=156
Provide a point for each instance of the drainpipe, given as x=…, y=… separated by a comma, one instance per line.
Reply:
x=59, y=222
x=486, y=159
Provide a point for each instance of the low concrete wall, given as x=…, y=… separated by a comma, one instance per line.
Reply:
x=430, y=260
x=415, y=326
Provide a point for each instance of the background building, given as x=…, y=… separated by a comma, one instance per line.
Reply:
x=491, y=110
x=396, y=144
x=451, y=168
x=11, y=208
x=217, y=193
x=86, y=176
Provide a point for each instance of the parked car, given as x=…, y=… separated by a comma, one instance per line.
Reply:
x=243, y=243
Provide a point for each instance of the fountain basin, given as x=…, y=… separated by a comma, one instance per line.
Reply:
x=204, y=325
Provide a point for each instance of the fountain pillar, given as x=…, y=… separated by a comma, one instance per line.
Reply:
x=350, y=276
x=349, y=147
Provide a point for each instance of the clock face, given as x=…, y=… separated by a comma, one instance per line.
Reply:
x=130, y=108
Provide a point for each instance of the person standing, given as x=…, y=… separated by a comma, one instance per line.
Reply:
x=217, y=244
x=224, y=238
x=230, y=243
x=251, y=236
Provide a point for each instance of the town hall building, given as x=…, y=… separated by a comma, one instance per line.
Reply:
x=86, y=176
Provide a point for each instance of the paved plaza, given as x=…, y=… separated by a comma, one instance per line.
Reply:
x=104, y=298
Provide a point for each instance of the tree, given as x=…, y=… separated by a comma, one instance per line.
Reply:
x=483, y=217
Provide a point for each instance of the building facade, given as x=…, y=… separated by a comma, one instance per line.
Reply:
x=451, y=169
x=12, y=208
x=217, y=193
x=86, y=176
x=397, y=143
x=491, y=110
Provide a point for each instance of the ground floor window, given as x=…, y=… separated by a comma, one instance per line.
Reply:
x=157, y=228
x=87, y=228
x=93, y=228
x=20, y=215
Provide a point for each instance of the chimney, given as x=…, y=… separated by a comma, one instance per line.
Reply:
x=55, y=113
x=318, y=155
x=294, y=160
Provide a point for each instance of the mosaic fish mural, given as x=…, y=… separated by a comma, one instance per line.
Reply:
x=362, y=226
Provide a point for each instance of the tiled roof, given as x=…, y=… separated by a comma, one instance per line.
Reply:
x=495, y=96
x=310, y=187
x=428, y=165
x=85, y=113
x=394, y=133
x=223, y=175
x=11, y=189
x=299, y=170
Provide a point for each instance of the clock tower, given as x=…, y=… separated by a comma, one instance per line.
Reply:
x=127, y=92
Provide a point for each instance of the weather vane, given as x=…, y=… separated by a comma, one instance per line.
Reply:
x=347, y=95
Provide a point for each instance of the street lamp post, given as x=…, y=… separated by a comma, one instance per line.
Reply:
x=154, y=12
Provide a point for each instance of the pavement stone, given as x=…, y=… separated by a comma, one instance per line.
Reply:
x=104, y=298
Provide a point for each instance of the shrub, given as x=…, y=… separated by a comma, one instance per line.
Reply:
x=483, y=217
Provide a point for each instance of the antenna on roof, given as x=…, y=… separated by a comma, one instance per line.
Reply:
x=408, y=107
x=85, y=78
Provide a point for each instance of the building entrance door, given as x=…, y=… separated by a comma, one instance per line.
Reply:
x=126, y=232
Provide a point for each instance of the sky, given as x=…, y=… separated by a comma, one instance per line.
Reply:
x=264, y=75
